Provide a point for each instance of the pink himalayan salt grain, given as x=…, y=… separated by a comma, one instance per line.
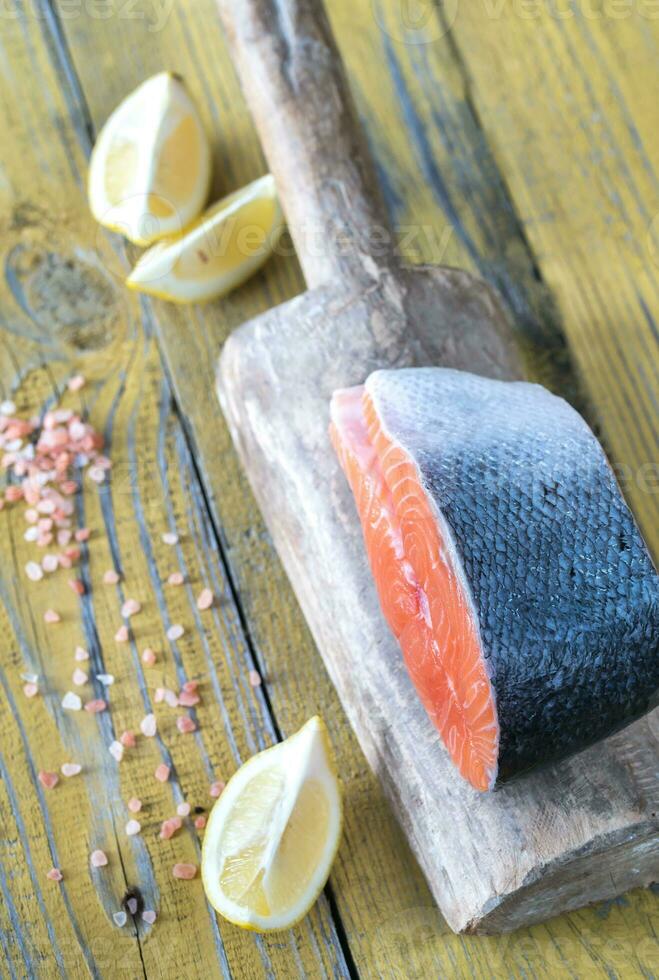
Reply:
x=81, y=654
x=51, y=616
x=13, y=493
x=64, y=562
x=190, y=687
x=148, y=657
x=149, y=916
x=98, y=859
x=63, y=537
x=75, y=383
x=48, y=779
x=44, y=540
x=79, y=677
x=73, y=554
x=96, y=705
x=70, y=769
x=205, y=599
x=175, y=632
x=55, y=875
x=184, y=871
x=121, y=636
x=133, y=827
x=148, y=725
x=254, y=678
x=69, y=487
x=169, y=827
x=76, y=586
x=110, y=577
x=30, y=689
x=134, y=805
x=200, y=822
x=162, y=773
x=159, y=695
x=188, y=700
x=132, y=905
x=130, y=608
x=96, y=474
x=34, y=571
x=82, y=534
x=127, y=739
x=170, y=538
x=50, y=563
x=185, y=725
x=176, y=578
x=216, y=789
x=183, y=809
x=31, y=515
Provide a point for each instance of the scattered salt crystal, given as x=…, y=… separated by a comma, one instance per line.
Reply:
x=127, y=739
x=51, y=616
x=79, y=677
x=190, y=687
x=30, y=678
x=120, y=918
x=77, y=586
x=55, y=875
x=134, y=805
x=70, y=768
x=71, y=701
x=184, y=871
x=30, y=689
x=81, y=654
x=216, y=789
x=254, y=678
x=183, y=809
x=34, y=571
x=148, y=725
x=176, y=578
x=63, y=537
x=148, y=657
x=48, y=779
x=200, y=822
x=96, y=474
x=162, y=773
x=75, y=383
x=159, y=695
x=205, y=599
x=116, y=750
x=132, y=905
x=170, y=538
x=32, y=533
x=133, y=827
x=7, y=407
x=188, y=700
x=82, y=534
x=149, y=916
x=96, y=705
x=169, y=827
x=49, y=563
x=121, y=636
x=170, y=697
x=175, y=632
x=130, y=608
x=98, y=859
x=185, y=725
x=110, y=577
x=31, y=515
x=107, y=679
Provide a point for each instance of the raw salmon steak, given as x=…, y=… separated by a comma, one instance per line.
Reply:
x=507, y=564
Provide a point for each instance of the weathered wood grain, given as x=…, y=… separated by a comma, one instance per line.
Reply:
x=393, y=927
x=62, y=311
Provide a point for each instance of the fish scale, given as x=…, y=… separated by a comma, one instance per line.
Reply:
x=554, y=576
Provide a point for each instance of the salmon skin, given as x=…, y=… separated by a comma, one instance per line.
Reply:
x=507, y=564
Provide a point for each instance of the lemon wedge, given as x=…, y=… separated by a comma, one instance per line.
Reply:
x=150, y=168
x=218, y=252
x=273, y=833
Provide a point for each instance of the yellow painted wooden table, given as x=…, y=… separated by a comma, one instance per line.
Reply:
x=519, y=139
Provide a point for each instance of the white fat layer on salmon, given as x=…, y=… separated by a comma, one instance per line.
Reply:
x=381, y=478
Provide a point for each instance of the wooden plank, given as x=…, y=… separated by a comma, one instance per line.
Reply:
x=62, y=311
x=391, y=922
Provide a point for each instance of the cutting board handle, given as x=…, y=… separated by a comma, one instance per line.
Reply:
x=296, y=88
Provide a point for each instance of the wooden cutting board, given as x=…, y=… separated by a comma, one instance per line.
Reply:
x=576, y=832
